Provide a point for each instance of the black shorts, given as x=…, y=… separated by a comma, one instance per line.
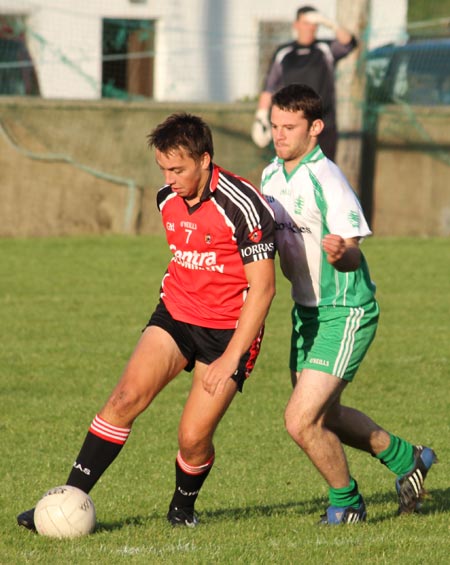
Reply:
x=197, y=343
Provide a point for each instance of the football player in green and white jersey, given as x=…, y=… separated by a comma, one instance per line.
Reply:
x=319, y=226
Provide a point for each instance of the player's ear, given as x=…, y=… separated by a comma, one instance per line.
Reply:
x=316, y=128
x=205, y=160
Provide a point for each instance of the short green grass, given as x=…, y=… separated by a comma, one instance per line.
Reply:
x=71, y=312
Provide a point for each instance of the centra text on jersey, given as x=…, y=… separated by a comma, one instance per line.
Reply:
x=206, y=260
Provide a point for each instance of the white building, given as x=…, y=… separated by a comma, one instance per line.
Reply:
x=171, y=50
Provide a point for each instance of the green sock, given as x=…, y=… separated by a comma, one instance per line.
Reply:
x=398, y=457
x=346, y=496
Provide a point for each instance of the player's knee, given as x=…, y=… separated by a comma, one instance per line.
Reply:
x=192, y=444
x=292, y=425
x=127, y=403
x=298, y=427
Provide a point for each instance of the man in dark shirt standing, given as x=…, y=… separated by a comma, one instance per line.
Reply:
x=310, y=61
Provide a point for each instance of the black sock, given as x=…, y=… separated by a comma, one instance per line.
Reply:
x=102, y=445
x=189, y=481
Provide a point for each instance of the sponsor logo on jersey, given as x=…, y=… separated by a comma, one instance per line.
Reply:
x=291, y=226
x=170, y=226
x=260, y=249
x=198, y=260
x=322, y=362
x=189, y=225
x=298, y=205
x=353, y=218
x=255, y=235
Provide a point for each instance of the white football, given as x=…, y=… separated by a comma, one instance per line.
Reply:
x=65, y=512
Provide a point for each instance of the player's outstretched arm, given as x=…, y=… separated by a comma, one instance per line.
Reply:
x=261, y=279
x=342, y=34
x=343, y=254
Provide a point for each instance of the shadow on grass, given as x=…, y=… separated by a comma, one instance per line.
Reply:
x=245, y=513
x=436, y=502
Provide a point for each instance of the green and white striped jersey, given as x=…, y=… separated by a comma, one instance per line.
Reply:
x=316, y=199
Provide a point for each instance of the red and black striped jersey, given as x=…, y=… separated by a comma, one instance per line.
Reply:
x=232, y=225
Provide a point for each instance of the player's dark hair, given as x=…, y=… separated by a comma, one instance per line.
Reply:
x=299, y=97
x=183, y=131
x=305, y=10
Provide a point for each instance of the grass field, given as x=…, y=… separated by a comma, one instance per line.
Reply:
x=72, y=310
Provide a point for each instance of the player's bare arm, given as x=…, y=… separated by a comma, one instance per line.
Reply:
x=343, y=254
x=261, y=279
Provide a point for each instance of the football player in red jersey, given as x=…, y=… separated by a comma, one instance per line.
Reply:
x=215, y=295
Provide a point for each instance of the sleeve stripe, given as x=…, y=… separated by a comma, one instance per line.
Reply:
x=164, y=198
x=242, y=201
x=262, y=198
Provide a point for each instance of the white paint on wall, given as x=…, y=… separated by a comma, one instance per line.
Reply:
x=205, y=50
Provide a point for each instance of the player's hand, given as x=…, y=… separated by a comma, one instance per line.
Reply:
x=334, y=246
x=218, y=373
x=343, y=254
x=317, y=18
x=261, y=129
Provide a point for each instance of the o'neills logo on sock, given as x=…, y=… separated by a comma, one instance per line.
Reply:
x=80, y=467
x=186, y=493
x=114, y=434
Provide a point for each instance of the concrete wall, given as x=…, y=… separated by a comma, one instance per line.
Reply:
x=81, y=168
x=70, y=168
x=412, y=172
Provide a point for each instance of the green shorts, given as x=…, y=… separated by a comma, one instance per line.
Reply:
x=332, y=339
